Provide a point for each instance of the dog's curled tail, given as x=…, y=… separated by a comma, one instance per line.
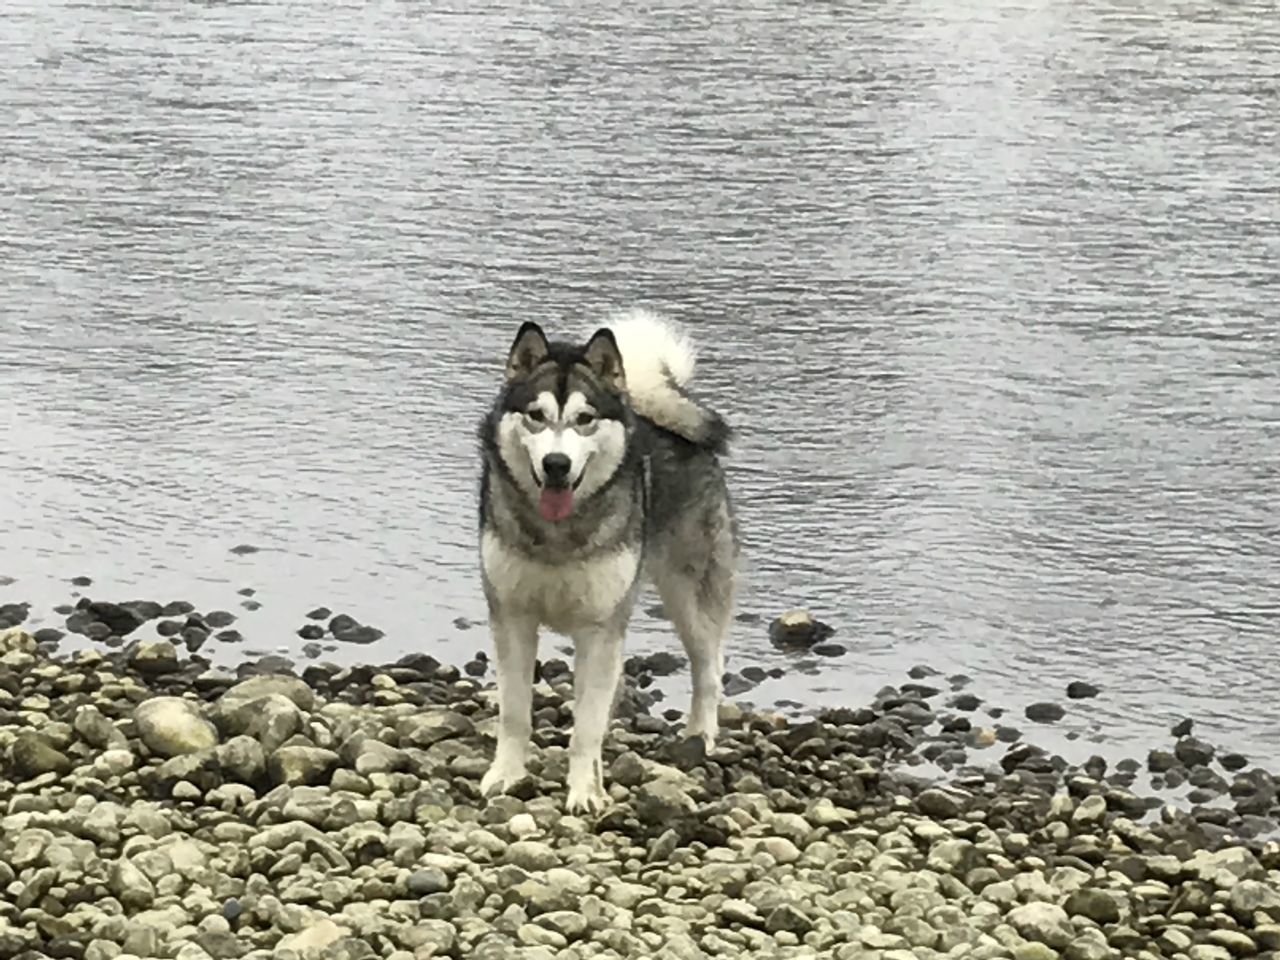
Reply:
x=658, y=360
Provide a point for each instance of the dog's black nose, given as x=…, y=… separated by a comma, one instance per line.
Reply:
x=555, y=469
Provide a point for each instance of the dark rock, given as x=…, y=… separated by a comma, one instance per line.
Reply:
x=660, y=664
x=33, y=756
x=169, y=628
x=311, y=631
x=194, y=637
x=736, y=686
x=1008, y=734
x=121, y=618
x=219, y=618
x=229, y=636
x=342, y=622
x=964, y=701
x=798, y=628
x=242, y=549
x=942, y=804
x=97, y=630
x=475, y=668
x=82, y=581
x=12, y=614
x=361, y=634
x=1161, y=761
x=251, y=605
x=921, y=672
x=176, y=608
x=1045, y=712
x=320, y=613
x=1193, y=752
x=1230, y=761
x=312, y=650
x=1080, y=690
x=829, y=649
x=1183, y=727
x=51, y=635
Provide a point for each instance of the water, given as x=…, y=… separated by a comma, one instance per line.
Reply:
x=988, y=289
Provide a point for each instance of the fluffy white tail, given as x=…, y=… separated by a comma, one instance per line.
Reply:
x=658, y=359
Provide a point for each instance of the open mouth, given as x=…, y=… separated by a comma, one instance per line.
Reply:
x=555, y=504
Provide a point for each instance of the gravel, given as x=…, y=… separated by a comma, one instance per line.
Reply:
x=153, y=806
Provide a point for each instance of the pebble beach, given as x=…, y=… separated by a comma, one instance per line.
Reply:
x=154, y=805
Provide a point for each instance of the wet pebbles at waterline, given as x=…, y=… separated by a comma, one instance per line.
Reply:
x=153, y=807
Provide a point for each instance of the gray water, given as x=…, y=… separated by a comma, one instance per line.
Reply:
x=987, y=288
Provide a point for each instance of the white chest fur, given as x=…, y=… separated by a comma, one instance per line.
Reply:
x=563, y=596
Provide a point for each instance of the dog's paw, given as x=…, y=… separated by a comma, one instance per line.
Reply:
x=501, y=777
x=586, y=792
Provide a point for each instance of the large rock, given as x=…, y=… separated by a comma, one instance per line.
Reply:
x=255, y=688
x=270, y=719
x=34, y=756
x=301, y=766
x=171, y=727
x=1045, y=923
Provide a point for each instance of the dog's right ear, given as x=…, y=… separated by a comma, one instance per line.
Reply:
x=527, y=352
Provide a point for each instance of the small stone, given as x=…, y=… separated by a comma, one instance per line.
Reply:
x=798, y=628
x=1097, y=905
x=1091, y=811
x=1044, y=923
x=1081, y=690
x=423, y=883
x=1045, y=712
x=319, y=613
x=939, y=803
x=155, y=657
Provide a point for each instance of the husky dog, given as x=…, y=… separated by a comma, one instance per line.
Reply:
x=599, y=471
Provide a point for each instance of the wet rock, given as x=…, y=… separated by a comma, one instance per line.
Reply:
x=48, y=635
x=798, y=628
x=1230, y=761
x=122, y=618
x=244, y=549
x=320, y=613
x=311, y=631
x=217, y=619
x=1183, y=727
x=1081, y=690
x=828, y=649
x=1192, y=752
x=1045, y=712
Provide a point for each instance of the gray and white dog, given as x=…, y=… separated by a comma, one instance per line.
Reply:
x=601, y=471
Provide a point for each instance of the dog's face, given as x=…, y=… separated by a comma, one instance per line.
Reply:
x=562, y=430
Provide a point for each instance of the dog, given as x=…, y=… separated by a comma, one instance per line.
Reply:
x=601, y=472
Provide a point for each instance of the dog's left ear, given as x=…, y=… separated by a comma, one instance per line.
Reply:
x=528, y=350
x=605, y=359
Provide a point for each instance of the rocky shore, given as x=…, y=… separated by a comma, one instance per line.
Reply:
x=153, y=806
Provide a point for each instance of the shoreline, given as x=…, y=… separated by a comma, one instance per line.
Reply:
x=153, y=806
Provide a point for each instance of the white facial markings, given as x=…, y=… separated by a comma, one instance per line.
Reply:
x=595, y=446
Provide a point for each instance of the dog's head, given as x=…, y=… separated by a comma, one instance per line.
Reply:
x=563, y=418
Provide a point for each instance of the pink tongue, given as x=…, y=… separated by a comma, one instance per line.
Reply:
x=555, y=505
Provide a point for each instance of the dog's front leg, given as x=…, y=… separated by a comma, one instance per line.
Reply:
x=597, y=670
x=515, y=642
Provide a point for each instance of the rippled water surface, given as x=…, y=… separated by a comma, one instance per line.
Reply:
x=989, y=291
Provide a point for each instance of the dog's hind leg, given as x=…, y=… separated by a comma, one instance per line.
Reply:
x=597, y=671
x=700, y=608
x=515, y=641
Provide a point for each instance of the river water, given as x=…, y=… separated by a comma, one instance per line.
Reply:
x=988, y=289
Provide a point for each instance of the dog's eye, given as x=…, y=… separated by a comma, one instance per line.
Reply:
x=537, y=416
x=586, y=419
